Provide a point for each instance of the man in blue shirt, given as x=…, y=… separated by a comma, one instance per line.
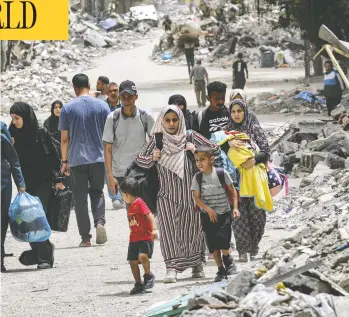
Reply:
x=9, y=166
x=81, y=123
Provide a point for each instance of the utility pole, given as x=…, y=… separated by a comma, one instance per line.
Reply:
x=307, y=58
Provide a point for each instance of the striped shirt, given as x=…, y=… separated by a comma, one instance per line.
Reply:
x=213, y=193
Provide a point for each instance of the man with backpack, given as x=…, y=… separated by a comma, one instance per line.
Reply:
x=216, y=116
x=125, y=134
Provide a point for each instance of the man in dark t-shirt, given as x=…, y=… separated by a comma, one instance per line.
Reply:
x=167, y=24
x=216, y=116
x=239, y=68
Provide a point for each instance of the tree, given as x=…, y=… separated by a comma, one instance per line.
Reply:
x=309, y=15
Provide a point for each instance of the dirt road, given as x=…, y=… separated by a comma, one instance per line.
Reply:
x=92, y=282
x=96, y=281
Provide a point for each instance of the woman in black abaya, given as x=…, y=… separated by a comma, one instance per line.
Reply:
x=40, y=167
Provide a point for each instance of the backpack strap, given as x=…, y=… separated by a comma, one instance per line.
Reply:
x=198, y=177
x=144, y=120
x=220, y=174
x=116, y=119
x=200, y=116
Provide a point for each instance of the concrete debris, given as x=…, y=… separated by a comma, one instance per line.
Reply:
x=321, y=204
x=35, y=65
x=222, y=33
x=308, y=142
x=323, y=236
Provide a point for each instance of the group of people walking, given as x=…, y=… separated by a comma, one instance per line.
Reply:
x=99, y=137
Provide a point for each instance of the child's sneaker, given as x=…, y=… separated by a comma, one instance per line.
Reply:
x=221, y=274
x=138, y=289
x=149, y=280
x=198, y=272
x=229, y=264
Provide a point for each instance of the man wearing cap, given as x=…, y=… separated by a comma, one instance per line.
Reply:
x=125, y=134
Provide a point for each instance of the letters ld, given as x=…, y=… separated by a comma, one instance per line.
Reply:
x=7, y=6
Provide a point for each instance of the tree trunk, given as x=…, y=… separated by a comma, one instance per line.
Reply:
x=307, y=59
x=318, y=68
x=3, y=58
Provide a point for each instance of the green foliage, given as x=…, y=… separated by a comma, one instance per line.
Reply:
x=309, y=15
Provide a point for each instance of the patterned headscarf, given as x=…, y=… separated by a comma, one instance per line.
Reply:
x=250, y=126
x=173, y=152
x=236, y=92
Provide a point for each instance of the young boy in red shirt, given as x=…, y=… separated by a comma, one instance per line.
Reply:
x=142, y=235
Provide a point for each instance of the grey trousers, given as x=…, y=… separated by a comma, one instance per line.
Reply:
x=200, y=91
x=88, y=180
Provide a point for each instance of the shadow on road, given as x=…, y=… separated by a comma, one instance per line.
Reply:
x=22, y=270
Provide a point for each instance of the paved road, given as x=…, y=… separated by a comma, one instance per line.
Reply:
x=96, y=281
x=157, y=82
x=92, y=282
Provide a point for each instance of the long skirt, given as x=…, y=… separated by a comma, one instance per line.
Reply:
x=181, y=237
x=249, y=228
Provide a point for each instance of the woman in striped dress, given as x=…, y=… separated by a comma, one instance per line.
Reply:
x=181, y=238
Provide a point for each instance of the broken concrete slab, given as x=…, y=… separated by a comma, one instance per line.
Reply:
x=95, y=39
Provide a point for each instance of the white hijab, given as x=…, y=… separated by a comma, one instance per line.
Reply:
x=173, y=152
x=236, y=92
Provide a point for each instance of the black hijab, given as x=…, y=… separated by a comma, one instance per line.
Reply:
x=25, y=138
x=178, y=100
x=53, y=121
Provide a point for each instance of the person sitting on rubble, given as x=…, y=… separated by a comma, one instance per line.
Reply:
x=167, y=24
x=180, y=101
x=249, y=228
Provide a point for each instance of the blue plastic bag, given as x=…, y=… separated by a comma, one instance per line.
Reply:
x=28, y=221
x=167, y=56
x=307, y=96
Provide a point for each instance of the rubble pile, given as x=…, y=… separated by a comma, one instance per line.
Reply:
x=221, y=37
x=36, y=65
x=87, y=39
x=319, y=210
x=306, y=143
x=38, y=85
x=305, y=275
x=300, y=100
